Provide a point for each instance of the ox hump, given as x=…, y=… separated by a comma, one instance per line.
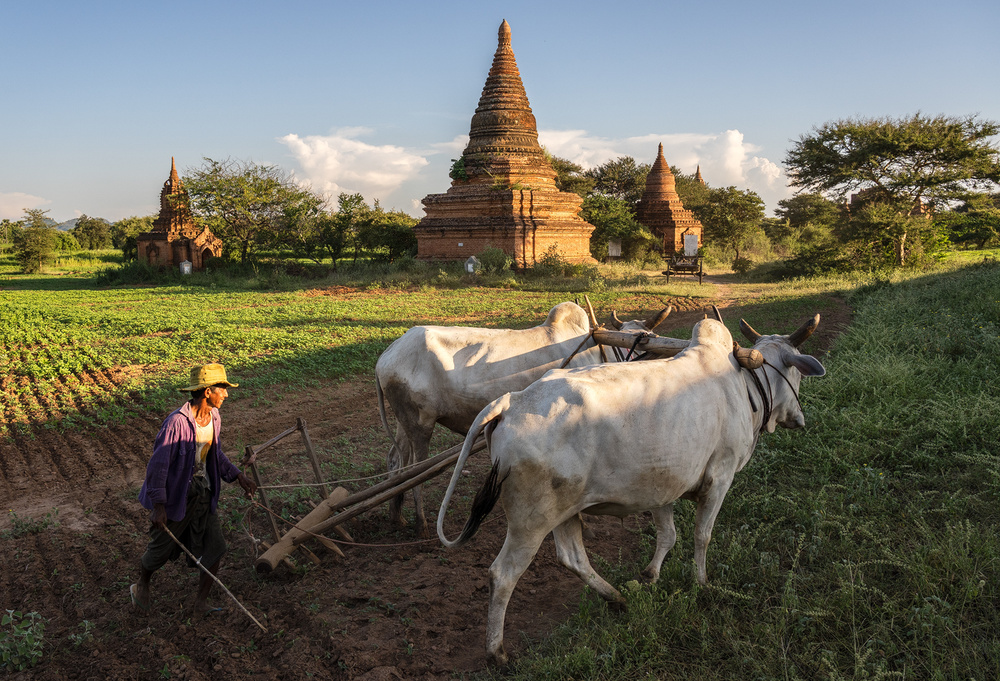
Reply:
x=712, y=333
x=568, y=315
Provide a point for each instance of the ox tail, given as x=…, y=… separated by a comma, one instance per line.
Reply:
x=487, y=496
x=388, y=431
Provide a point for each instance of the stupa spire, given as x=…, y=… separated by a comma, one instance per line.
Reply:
x=660, y=183
x=697, y=175
x=503, y=124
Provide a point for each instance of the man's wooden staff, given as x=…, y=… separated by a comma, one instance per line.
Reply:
x=197, y=561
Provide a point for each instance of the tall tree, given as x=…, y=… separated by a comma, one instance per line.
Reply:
x=248, y=205
x=808, y=209
x=907, y=164
x=570, y=176
x=692, y=192
x=621, y=178
x=8, y=229
x=36, y=241
x=123, y=233
x=613, y=219
x=386, y=235
x=92, y=233
x=976, y=221
x=914, y=160
x=730, y=218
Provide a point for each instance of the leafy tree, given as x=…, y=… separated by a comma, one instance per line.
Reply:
x=977, y=221
x=248, y=205
x=65, y=241
x=810, y=208
x=123, y=234
x=35, y=242
x=613, y=219
x=386, y=235
x=9, y=230
x=884, y=234
x=620, y=178
x=92, y=233
x=570, y=176
x=914, y=160
x=693, y=193
x=731, y=217
x=908, y=164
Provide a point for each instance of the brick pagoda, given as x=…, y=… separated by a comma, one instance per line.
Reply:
x=661, y=211
x=503, y=191
x=175, y=236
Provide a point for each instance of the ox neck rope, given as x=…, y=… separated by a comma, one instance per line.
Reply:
x=767, y=397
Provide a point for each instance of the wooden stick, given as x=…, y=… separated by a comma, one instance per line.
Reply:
x=655, y=344
x=260, y=488
x=197, y=561
x=254, y=451
x=594, y=326
x=440, y=462
x=301, y=425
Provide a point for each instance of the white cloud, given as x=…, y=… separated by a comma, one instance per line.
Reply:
x=341, y=163
x=13, y=204
x=726, y=158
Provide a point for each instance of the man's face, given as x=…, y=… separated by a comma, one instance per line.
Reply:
x=216, y=396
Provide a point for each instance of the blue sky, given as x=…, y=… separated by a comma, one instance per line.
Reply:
x=377, y=97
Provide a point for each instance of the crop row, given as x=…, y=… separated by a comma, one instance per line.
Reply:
x=148, y=338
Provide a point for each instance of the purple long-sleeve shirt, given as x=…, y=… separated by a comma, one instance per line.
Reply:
x=168, y=473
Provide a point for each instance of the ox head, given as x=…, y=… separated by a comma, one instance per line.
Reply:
x=649, y=324
x=782, y=356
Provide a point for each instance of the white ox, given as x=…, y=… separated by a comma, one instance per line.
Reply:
x=616, y=440
x=447, y=374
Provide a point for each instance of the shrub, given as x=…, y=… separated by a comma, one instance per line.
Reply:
x=494, y=260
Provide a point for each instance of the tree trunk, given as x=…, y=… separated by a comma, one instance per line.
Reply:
x=901, y=249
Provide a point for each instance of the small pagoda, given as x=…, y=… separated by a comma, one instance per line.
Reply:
x=661, y=211
x=503, y=191
x=175, y=238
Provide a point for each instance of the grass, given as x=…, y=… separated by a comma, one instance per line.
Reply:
x=863, y=547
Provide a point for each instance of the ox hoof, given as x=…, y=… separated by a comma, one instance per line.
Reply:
x=647, y=576
x=497, y=658
x=617, y=607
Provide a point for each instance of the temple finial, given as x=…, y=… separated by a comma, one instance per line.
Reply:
x=504, y=34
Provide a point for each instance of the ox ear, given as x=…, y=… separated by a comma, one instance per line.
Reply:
x=806, y=364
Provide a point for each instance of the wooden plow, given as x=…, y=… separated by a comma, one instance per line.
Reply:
x=337, y=506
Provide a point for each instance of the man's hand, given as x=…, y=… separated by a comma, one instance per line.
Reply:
x=248, y=485
x=158, y=516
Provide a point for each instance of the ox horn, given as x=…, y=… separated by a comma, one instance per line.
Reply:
x=748, y=332
x=615, y=322
x=715, y=311
x=660, y=317
x=801, y=334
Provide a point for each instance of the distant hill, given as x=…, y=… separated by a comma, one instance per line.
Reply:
x=64, y=226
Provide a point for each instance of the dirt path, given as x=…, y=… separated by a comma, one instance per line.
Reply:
x=396, y=610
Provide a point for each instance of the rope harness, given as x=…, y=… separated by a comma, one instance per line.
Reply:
x=766, y=396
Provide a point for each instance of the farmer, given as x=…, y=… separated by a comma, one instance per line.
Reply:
x=182, y=485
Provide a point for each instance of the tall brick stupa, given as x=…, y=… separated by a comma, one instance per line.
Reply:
x=175, y=237
x=661, y=210
x=503, y=191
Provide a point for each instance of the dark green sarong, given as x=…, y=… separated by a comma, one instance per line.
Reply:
x=200, y=531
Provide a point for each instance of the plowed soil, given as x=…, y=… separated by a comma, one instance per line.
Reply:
x=394, y=607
